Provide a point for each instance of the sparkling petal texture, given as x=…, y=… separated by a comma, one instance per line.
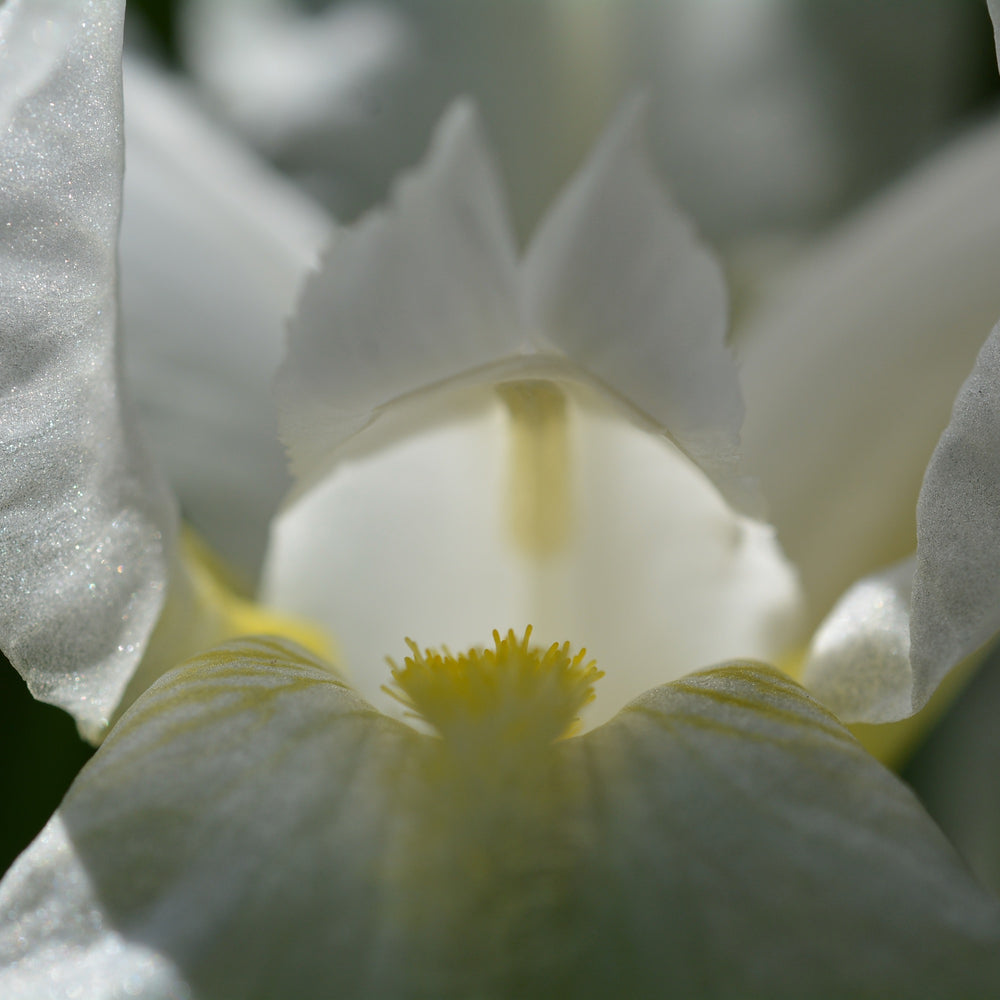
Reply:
x=85, y=525
x=723, y=836
x=956, y=588
x=410, y=297
x=850, y=367
x=214, y=249
x=616, y=279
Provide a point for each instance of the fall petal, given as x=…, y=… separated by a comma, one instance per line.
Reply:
x=787, y=861
x=722, y=836
x=196, y=780
x=889, y=642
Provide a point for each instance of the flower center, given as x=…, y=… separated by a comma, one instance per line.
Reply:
x=514, y=695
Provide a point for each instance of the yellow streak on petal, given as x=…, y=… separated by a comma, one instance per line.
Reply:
x=539, y=466
x=892, y=743
x=239, y=615
x=203, y=610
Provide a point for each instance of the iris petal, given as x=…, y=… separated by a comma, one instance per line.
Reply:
x=722, y=836
x=86, y=525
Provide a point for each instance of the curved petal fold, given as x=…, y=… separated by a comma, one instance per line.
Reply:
x=86, y=525
x=253, y=829
x=201, y=783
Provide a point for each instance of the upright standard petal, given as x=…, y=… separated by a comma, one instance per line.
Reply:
x=85, y=525
x=214, y=250
x=507, y=483
x=724, y=836
x=617, y=280
x=411, y=297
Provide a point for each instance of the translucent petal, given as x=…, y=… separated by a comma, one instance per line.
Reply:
x=650, y=570
x=956, y=588
x=252, y=829
x=851, y=366
x=616, y=279
x=412, y=296
x=85, y=524
x=214, y=249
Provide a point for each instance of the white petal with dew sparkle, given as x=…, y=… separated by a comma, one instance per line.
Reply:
x=851, y=365
x=85, y=525
x=412, y=296
x=616, y=279
x=956, y=588
x=214, y=249
x=252, y=829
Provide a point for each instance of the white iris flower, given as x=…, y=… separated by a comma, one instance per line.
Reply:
x=477, y=442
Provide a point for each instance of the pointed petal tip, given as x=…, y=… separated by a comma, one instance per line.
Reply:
x=619, y=281
x=414, y=294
